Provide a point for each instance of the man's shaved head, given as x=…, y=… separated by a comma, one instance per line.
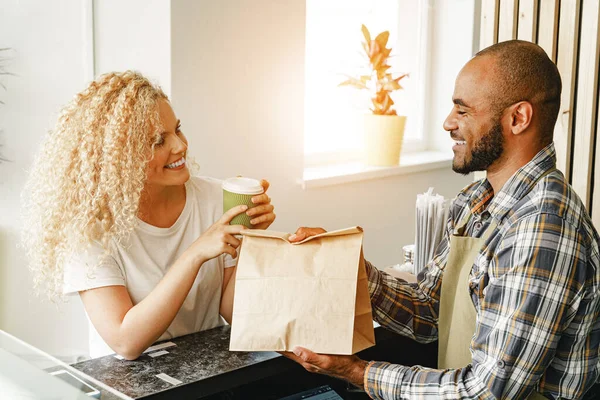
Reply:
x=523, y=72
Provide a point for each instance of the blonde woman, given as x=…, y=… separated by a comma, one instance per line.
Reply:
x=113, y=214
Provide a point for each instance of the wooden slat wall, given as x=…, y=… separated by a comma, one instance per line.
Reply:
x=507, y=22
x=527, y=22
x=569, y=31
x=547, y=36
x=488, y=36
x=489, y=23
x=596, y=188
x=566, y=60
x=587, y=96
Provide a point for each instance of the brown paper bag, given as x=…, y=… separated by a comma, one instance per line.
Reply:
x=312, y=294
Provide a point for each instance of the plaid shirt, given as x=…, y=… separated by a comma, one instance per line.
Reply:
x=535, y=285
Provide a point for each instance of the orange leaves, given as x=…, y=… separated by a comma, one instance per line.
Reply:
x=401, y=77
x=376, y=60
x=378, y=55
x=366, y=33
x=357, y=83
x=382, y=104
x=382, y=39
x=391, y=85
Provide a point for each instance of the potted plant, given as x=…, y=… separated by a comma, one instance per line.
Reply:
x=384, y=128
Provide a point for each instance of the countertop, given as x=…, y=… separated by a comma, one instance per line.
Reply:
x=202, y=365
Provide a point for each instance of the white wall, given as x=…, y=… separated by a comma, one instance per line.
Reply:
x=134, y=34
x=49, y=66
x=235, y=72
x=452, y=36
x=238, y=89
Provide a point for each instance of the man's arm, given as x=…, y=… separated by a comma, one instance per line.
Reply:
x=540, y=305
x=535, y=309
x=409, y=309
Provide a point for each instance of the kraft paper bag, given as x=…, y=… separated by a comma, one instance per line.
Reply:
x=312, y=294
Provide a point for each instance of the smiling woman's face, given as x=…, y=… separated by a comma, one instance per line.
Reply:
x=168, y=166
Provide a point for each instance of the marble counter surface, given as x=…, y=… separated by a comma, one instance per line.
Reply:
x=202, y=365
x=199, y=361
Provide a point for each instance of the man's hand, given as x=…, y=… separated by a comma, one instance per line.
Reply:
x=349, y=368
x=304, y=232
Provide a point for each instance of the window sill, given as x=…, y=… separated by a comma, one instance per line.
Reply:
x=328, y=175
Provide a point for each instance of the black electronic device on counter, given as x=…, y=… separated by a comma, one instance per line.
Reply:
x=324, y=392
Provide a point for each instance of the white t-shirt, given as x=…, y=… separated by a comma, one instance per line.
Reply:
x=142, y=262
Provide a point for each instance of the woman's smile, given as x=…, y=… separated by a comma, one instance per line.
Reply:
x=177, y=165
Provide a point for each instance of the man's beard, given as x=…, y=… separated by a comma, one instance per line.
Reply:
x=487, y=150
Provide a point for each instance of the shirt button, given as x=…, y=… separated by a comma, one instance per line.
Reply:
x=500, y=364
x=477, y=225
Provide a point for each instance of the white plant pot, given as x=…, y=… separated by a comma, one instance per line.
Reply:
x=383, y=139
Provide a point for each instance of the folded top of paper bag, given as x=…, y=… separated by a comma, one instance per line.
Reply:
x=285, y=236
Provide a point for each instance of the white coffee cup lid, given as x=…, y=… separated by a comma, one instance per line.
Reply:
x=242, y=185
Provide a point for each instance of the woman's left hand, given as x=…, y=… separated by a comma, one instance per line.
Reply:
x=262, y=214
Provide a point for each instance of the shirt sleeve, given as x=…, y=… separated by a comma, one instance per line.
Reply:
x=409, y=309
x=534, y=294
x=229, y=261
x=91, y=268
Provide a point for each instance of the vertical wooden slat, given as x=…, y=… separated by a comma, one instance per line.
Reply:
x=566, y=61
x=595, y=201
x=559, y=34
x=489, y=23
x=548, y=27
x=488, y=36
x=527, y=27
x=587, y=93
x=596, y=194
x=507, y=21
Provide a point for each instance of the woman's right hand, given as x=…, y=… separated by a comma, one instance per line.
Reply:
x=218, y=239
x=304, y=232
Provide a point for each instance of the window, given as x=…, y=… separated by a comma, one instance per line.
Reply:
x=333, y=121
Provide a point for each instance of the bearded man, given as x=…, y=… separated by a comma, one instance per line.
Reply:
x=513, y=293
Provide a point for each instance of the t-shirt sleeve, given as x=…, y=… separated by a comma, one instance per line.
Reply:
x=90, y=269
x=229, y=261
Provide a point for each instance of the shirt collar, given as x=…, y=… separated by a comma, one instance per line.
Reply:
x=515, y=188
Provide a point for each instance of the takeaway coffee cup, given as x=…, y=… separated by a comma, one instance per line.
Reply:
x=238, y=191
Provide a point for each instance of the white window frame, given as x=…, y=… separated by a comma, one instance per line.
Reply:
x=422, y=90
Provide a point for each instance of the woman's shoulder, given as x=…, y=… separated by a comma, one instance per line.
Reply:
x=206, y=186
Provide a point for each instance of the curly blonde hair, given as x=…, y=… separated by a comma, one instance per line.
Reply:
x=87, y=179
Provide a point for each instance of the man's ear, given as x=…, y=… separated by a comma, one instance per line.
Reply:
x=520, y=117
